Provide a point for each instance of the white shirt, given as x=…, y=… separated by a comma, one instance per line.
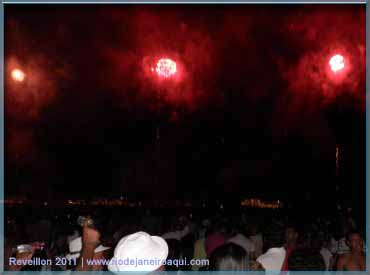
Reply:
x=178, y=235
x=338, y=247
x=273, y=259
x=325, y=253
x=244, y=242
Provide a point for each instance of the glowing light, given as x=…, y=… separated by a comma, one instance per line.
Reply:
x=166, y=67
x=336, y=63
x=18, y=75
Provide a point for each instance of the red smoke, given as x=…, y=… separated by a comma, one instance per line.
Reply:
x=316, y=36
x=242, y=50
x=155, y=35
x=25, y=99
x=326, y=34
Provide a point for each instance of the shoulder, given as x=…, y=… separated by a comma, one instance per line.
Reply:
x=343, y=258
x=341, y=262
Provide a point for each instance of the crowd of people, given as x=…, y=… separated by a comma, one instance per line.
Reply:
x=150, y=240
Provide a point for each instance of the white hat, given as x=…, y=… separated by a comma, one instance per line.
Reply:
x=75, y=247
x=273, y=259
x=139, y=252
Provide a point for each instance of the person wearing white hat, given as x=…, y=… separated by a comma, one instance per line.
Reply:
x=139, y=252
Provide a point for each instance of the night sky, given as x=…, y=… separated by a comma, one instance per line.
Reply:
x=254, y=109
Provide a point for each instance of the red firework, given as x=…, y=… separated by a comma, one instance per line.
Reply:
x=337, y=63
x=18, y=75
x=166, y=68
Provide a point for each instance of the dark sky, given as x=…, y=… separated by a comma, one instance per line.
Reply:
x=254, y=110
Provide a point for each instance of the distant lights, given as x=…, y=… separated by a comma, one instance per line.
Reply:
x=258, y=203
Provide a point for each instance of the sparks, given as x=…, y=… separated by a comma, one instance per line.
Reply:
x=336, y=63
x=166, y=67
x=18, y=75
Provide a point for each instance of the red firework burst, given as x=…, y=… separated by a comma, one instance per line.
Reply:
x=337, y=63
x=166, y=68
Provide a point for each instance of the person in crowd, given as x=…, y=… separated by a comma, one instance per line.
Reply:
x=199, y=253
x=276, y=258
x=40, y=231
x=291, y=239
x=150, y=251
x=318, y=244
x=274, y=233
x=23, y=256
x=306, y=259
x=215, y=237
x=181, y=229
x=200, y=244
x=174, y=253
x=7, y=252
x=198, y=240
x=58, y=249
x=205, y=225
x=272, y=260
x=149, y=222
x=229, y=257
x=355, y=260
x=242, y=240
x=187, y=248
x=338, y=244
x=257, y=239
x=87, y=248
x=74, y=235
